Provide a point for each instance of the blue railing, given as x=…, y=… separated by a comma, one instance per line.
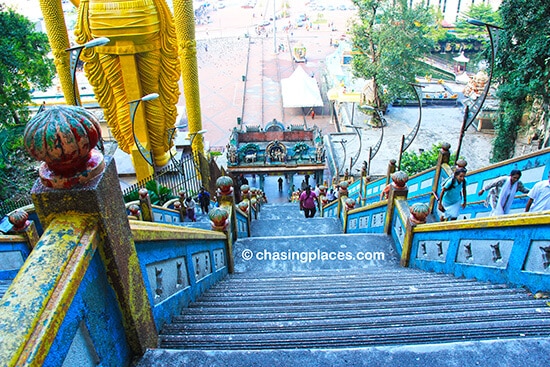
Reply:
x=180, y=267
x=513, y=249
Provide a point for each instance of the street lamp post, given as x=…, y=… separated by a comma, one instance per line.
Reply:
x=146, y=154
x=406, y=141
x=343, y=142
x=74, y=54
x=374, y=150
x=471, y=112
x=175, y=162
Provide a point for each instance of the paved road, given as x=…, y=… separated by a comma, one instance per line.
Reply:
x=225, y=56
x=240, y=76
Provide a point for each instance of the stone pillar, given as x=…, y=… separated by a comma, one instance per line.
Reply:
x=392, y=167
x=419, y=213
x=145, y=205
x=398, y=191
x=84, y=182
x=22, y=225
x=226, y=201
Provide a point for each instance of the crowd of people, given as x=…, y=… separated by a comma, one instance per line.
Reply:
x=452, y=198
x=500, y=194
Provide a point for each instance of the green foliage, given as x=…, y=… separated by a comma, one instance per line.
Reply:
x=18, y=171
x=413, y=163
x=24, y=65
x=522, y=68
x=483, y=12
x=158, y=194
x=506, y=131
x=391, y=39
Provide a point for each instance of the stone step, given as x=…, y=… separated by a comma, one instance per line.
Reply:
x=362, y=336
x=311, y=300
x=367, y=291
x=354, y=308
x=328, y=323
x=493, y=353
x=314, y=252
x=199, y=314
x=329, y=299
x=284, y=211
x=301, y=226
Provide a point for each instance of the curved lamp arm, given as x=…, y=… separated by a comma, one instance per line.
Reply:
x=493, y=38
x=175, y=162
x=74, y=56
x=406, y=141
x=133, y=108
x=374, y=150
x=343, y=142
x=409, y=138
x=359, y=136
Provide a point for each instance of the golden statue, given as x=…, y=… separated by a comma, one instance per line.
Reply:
x=141, y=58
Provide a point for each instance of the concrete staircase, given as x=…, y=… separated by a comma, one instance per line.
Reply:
x=350, y=311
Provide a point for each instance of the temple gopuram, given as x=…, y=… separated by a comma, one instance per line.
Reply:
x=276, y=150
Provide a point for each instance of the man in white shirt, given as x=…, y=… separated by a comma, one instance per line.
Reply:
x=539, y=197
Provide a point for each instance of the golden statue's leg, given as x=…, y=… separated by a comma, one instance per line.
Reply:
x=132, y=91
x=59, y=41
x=149, y=64
x=185, y=30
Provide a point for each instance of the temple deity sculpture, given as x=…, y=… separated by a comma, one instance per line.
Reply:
x=141, y=58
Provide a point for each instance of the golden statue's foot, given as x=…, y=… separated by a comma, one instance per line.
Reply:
x=162, y=160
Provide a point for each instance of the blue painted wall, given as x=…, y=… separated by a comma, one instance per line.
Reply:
x=95, y=304
x=21, y=248
x=157, y=251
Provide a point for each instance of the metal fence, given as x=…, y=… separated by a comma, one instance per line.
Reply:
x=181, y=177
x=8, y=207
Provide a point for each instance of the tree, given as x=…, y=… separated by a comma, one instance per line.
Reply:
x=483, y=12
x=413, y=163
x=24, y=65
x=390, y=40
x=523, y=71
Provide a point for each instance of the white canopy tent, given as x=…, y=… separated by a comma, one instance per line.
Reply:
x=300, y=90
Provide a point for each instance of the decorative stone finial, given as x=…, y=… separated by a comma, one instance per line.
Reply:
x=225, y=185
x=64, y=138
x=400, y=179
x=19, y=220
x=245, y=189
x=419, y=213
x=350, y=204
x=219, y=219
x=243, y=205
x=143, y=193
x=134, y=210
x=343, y=188
x=461, y=163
